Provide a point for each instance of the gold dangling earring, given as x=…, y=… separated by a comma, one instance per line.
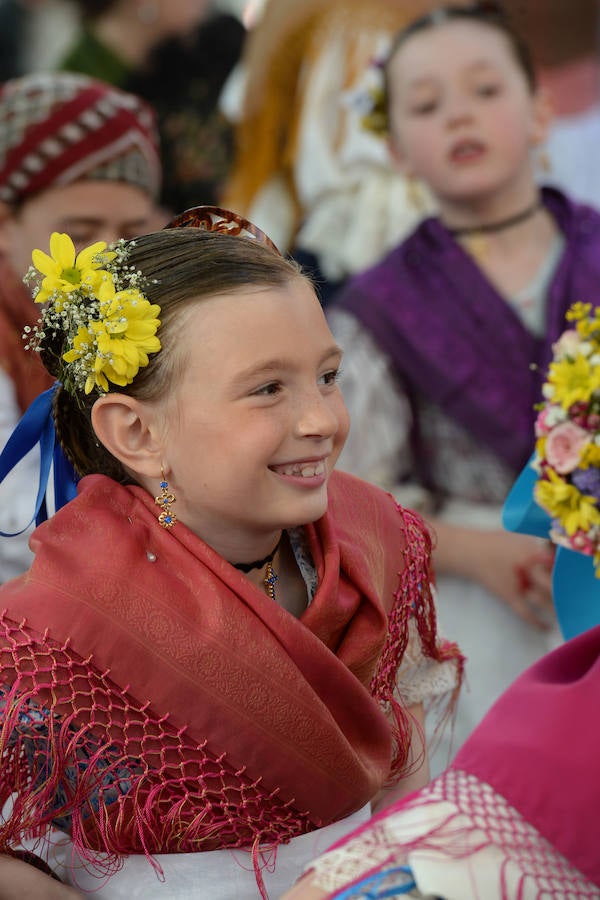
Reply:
x=544, y=162
x=167, y=518
x=414, y=194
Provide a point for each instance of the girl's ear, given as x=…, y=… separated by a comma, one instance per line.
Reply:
x=129, y=429
x=543, y=115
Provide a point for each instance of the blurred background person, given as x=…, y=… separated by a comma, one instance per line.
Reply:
x=446, y=337
x=305, y=168
x=76, y=156
x=176, y=54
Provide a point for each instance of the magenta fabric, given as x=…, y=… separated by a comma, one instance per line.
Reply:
x=454, y=339
x=539, y=747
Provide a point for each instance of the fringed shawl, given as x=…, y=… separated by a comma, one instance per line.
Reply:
x=524, y=785
x=157, y=701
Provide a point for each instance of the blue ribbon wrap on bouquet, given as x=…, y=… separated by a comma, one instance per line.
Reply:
x=37, y=427
x=575, y=588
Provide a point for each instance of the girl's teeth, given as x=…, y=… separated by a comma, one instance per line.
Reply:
x=304, y=471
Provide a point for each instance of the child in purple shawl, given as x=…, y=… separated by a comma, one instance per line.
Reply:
x=446, y=340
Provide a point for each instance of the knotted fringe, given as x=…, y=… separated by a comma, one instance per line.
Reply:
x=477, y=818
x=413, y=598
x=125, y=782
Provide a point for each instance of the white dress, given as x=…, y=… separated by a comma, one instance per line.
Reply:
x=498, y=645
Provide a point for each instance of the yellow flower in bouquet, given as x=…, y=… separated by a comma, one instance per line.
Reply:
x=567, y=454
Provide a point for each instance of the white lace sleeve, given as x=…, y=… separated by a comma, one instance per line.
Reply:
x=377, y=448
x=421, y=679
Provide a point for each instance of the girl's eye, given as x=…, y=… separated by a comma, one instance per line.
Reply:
x=267, y=390
x=488, y=90
x=330, y=377
x=424, y=108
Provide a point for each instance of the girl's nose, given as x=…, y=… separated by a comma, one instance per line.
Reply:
x=458, y=109
x=316, y=415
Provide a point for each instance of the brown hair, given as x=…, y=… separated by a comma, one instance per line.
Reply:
x=487, y=12
x=180, y=266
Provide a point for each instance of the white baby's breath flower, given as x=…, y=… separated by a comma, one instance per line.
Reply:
x=555, y=415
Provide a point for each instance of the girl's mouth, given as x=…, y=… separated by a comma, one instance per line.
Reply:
x=301, y=469
x=466, y=151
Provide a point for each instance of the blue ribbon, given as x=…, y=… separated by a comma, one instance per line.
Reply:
x=575, y=588
x=37, y=427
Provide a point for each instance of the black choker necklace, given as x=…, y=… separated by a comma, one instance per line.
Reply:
x=258, y=563
x=491, y=227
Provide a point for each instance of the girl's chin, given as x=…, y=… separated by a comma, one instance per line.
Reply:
x=308, y=511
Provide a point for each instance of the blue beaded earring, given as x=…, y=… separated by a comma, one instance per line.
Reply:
x=167, y=518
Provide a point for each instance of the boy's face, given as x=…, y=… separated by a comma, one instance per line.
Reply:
x=87, y=211
x=255, y=426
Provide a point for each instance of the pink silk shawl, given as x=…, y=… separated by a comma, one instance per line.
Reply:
x=539, y=745
x=240, y=723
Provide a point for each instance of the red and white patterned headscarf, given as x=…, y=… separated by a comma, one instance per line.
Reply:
x=57, y=128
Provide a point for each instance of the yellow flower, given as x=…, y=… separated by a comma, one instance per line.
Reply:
x=590, y=456
x=578, y=311
x=115, y=346
x=573, y=380
x=65, y=271
x=575, y=511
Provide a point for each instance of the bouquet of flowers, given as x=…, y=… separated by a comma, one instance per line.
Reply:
x=567, y=453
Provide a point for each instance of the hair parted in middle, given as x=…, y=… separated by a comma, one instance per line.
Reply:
x=180, y=266
x=485, y=12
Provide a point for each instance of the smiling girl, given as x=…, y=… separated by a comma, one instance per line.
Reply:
x=220, y=655
x=447, y=339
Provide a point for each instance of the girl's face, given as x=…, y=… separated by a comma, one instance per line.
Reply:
x=463, y=117
x=258, y=420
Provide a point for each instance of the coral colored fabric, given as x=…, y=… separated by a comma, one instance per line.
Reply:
x=538, y=747
x=453, y=338
x=17, y=310
x=289, y=702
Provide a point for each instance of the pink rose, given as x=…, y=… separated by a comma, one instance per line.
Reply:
x=541, y=424
x=581, y=542
x=564, y=445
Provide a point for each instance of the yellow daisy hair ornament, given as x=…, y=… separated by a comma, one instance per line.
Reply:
x=96, y=308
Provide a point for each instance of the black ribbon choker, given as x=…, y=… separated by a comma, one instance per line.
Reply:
x=258, y=563
x=491, y=227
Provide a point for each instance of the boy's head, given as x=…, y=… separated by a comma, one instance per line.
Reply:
x=76, y=155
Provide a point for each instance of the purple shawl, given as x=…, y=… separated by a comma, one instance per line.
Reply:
x=454, y=339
